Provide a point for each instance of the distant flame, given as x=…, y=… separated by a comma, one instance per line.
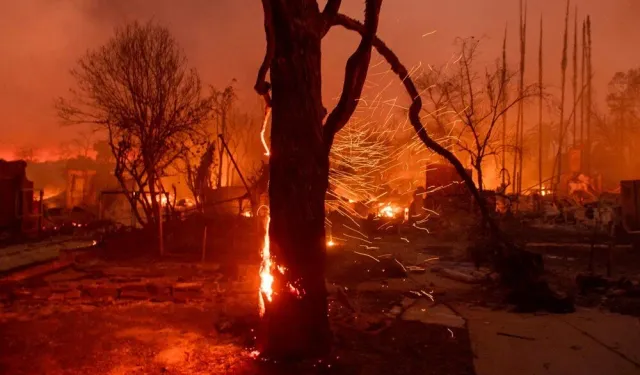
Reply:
x=388, y=210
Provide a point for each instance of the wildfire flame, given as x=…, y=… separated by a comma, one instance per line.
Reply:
x=388, y=210
x=266, y=278
x=263, y=130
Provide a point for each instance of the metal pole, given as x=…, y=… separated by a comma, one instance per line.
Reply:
x=204, y=243
x=160, y=236
x=244, y=182
x=41, y=212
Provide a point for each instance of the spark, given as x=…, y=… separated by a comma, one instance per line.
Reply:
x=428, y=295
x=401, y=265
x=367, y=255
x=370, y=247
x=420, y=228
x=451, y=332
x=429, y=33
x=357, y=238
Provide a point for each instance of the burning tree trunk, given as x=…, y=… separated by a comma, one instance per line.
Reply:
x=293, y=293
x=298, y=181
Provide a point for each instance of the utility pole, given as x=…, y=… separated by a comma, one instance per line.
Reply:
x=564, y=76
x=589, y=93
x=575, y=77
x=505, y=98
x=540, y=108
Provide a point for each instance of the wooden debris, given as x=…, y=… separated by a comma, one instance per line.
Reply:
x=515, y=336
x=458, y=276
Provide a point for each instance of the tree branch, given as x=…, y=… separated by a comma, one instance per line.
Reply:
x=414, y=114
x=329, y=13
x=262, y=87
x=355, y=75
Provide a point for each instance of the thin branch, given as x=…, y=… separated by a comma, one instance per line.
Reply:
x=329, y=12
x=355, y=75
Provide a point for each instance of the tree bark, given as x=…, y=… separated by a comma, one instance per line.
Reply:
x=478, y=168
x=295, y=323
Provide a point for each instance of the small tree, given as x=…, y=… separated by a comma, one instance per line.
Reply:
x=466, y=107
x=139, y=89
x=27, y=154
x=623, y=100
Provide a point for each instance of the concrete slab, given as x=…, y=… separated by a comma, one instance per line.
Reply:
x=618, y=332
x=547, y=344
x=427, y=312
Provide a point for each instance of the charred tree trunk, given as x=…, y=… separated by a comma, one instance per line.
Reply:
x=294, y=318
x=295, y=324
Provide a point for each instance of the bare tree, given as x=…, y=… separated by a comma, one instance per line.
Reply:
x=470, y=105
x=199, y=176
x=27, y=154
x=139, y=89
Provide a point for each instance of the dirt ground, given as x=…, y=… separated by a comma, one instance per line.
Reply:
x=141, y=317
x=113, y=315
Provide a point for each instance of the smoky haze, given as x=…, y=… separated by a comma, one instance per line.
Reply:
x=224, y=39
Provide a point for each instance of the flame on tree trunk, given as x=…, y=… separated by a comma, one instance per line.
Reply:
x=293, y=293
x=298, y=180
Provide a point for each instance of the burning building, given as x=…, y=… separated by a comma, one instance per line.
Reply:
x=445, y=186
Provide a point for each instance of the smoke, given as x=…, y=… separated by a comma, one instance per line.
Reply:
x=224, y=39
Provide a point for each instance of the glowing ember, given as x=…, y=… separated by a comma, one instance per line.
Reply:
x=330, y=243
x=545, y=191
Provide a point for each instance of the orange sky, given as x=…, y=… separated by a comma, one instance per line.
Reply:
x=223, y=39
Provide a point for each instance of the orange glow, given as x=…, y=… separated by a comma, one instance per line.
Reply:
x=388, y=210
x=163, y=199
x=545, y=191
